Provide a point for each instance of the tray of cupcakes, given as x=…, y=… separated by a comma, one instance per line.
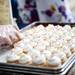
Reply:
x=47, y=48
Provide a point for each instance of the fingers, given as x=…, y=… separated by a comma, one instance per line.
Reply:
x=16, y=36
x=11, y=32
x=9, y=35
x=19, y=35
x=8, y=40
x=5, y=41
x=13, y=38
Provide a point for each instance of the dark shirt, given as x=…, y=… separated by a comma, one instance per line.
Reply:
x=16, y=14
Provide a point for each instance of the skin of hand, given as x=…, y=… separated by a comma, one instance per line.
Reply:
x=9, y=34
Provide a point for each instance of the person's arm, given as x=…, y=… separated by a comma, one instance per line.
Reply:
x=9, y=32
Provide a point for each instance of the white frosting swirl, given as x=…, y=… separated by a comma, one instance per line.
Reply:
x=25, y=58
x=12, y=57
x=17, y=50
x=54, y=61
x=38, y=59
x=61, y=55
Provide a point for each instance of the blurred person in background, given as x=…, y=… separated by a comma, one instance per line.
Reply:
x=55, y=11
x=44, y=10
x=25, y=11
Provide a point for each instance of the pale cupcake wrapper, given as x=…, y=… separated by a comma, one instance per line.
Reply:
x=54, y=65
x=14, y=62
x=73, y=50
x=68, y=54
x=29, y=62
x=63, y=60
x=44, y=64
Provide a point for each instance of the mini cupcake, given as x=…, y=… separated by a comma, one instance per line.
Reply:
x=40, y=46
x=45, y=42
x=57, y=44
x=19, y=47
x=52, y=40
x=27, y=48
x=49, y=27
x=39, y=32
x=67, y=51
x=72, y=45
x=39, y=60
x=72, y=48
x=26, y=40
x=40, y=27
x=67, y=38
x=73, y=30
x=67, y=27
x=30, y=31
x=52, y=49
x=61, y=55
x=33, y=43
x=25, y=59
x=17, y=50
x=13, y=58
x=54, y=61
x=58, y=27
x=34, y=52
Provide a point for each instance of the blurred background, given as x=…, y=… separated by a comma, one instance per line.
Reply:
x=28, y=11
x=72, y=6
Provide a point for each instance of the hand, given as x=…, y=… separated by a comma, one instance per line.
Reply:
x=9, y=34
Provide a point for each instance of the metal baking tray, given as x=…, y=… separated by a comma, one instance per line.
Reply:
x=18, y=68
